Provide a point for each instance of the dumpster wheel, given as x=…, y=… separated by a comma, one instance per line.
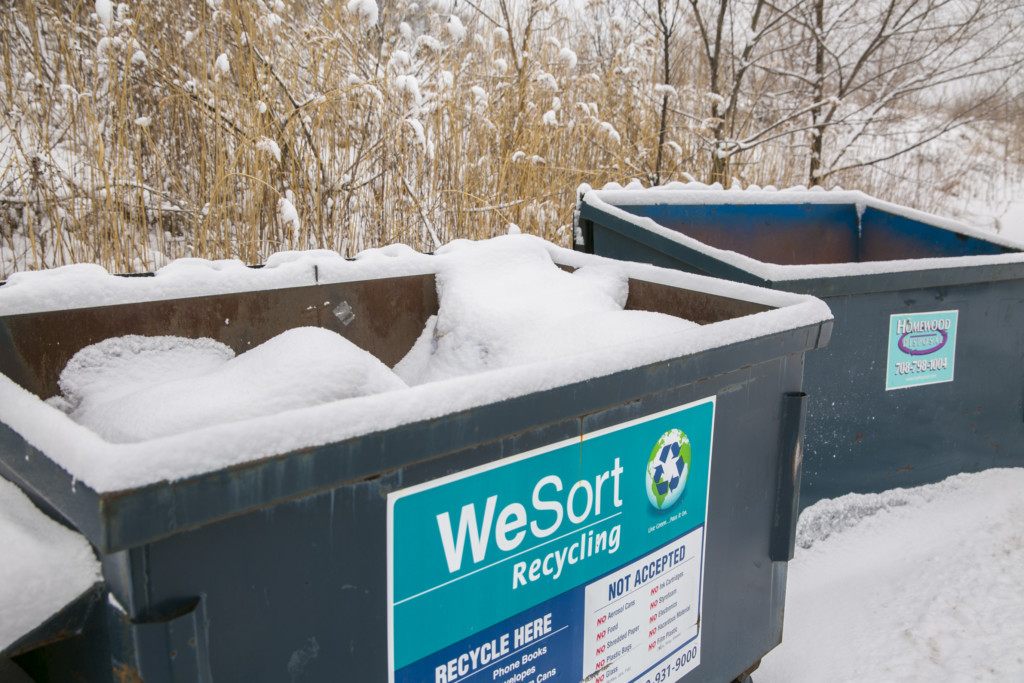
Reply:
x=745, y=676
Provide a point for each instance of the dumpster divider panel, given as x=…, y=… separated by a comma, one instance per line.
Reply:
x=382, y=316
x=785, y=234
x=888, y=237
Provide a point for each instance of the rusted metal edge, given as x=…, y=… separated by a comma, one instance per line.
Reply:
x=66, y=623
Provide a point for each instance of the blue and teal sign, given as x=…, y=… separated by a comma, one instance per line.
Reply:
x=922, y=349
x=547, y=565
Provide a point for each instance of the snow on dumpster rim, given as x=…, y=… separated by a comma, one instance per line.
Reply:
x=613, y=196
x=87, y=285
x=108, y=467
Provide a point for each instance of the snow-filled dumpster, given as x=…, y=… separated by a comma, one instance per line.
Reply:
x=506, y=461
x=924, y=376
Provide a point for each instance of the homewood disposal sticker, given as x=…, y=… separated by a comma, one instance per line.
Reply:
x=922, y=348
x=580, y=560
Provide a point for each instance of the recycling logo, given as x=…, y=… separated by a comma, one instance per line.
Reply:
x=668, y=468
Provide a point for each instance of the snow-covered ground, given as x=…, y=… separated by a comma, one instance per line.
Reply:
x=913, y=585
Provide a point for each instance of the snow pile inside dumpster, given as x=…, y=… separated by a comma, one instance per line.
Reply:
x=519, y=309
x=136, y=388
x=512, y=310
x=45, y=565
x=511, y=323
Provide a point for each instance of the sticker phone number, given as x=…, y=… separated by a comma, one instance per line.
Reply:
x=911, y=367
x=664, y=673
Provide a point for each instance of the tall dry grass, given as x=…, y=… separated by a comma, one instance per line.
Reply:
x=235, y=129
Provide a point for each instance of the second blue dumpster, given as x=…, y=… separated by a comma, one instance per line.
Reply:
x=924, y=376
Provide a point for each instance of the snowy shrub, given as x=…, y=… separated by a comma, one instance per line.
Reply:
x=365, y=10
x=455, y=28
x=267, y=145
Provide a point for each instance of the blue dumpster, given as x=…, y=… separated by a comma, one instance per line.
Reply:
x=924, y=376
x=605, y=516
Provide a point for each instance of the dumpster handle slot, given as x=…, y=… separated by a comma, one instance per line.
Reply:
x=174, y=648
x=787, y=489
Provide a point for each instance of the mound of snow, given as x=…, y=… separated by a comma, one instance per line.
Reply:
x=113, y=368
x=502, y=303
x=136, y=388
x=502, y=307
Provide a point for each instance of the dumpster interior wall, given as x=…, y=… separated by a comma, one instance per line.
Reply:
x=807, y=234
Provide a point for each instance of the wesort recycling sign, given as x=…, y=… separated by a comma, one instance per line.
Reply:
x=583, y=559
x=922, y=349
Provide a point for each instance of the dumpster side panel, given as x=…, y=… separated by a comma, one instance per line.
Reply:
x=886, y=236
x=307, y=579
x=863, y=438
x=612, y=236
x=288, y=591
x=785, y=234
x=382, y=316
x=743, y=585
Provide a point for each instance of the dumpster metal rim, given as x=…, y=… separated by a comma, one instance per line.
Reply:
x=71, y=444
x=868, y=276
x=952, y=276
x=922, y=273
x=677, y=193
x=95, y=513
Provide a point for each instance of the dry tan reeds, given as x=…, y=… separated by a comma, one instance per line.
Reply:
x=235, y=129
